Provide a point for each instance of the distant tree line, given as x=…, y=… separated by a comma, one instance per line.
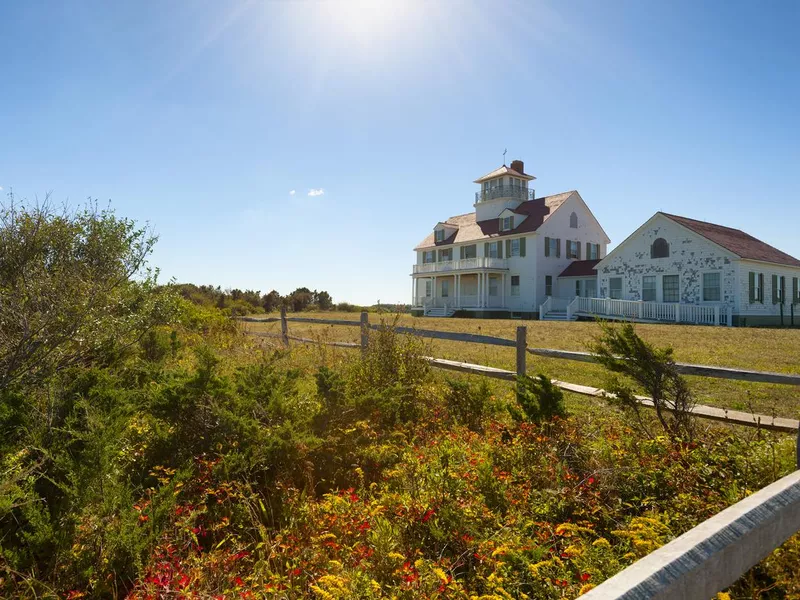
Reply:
x=244, y=302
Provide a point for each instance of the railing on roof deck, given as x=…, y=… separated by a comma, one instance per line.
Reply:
x=505, y=191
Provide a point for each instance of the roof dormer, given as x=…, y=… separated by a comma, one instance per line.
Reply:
x=443, y=231
x=508, y=220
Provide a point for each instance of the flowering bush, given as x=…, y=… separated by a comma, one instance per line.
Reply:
x=213, y=472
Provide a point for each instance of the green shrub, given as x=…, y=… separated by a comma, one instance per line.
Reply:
x=468, y=403
x=539, y=399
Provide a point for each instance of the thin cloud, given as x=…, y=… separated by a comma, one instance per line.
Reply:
x=316, y=192
x=292, y=192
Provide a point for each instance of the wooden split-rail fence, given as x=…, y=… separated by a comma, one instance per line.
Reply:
x=702, y=561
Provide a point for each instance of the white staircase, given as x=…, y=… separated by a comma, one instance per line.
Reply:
x=439, y=312
x=558, y=315
x=556, y=309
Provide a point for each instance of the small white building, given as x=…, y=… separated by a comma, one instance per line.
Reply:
x=505, y=257
x=678, y=269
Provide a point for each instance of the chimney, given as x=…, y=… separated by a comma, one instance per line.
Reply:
x=518, y=166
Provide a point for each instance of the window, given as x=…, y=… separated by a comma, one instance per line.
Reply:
x=577, y=287
x=428, y=256
x=506, y=223
x=592, y=251
x=552, y=247
x=573, y=249
x=615, y=288
x=756, y=287
x=659, y=249
x=492, y=285
x=548, y=285
x=493, y=249
x=439, y=235
x=469, y=251
x=573, y=221
x=590, y=288
x=515, y=285
x=778, y=289
x=445, y=288
x=514, y=247
x=428, y=286
x=670, y=288
x=649, y=288
x=445, y=255
x=711, y=287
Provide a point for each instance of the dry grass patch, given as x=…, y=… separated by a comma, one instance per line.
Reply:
x=760, y=349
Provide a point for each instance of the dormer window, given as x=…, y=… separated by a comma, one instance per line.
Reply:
x=439, y=235
x=659, y=249
x=506, y=223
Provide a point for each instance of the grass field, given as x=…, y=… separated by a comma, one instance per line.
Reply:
x=760, y=349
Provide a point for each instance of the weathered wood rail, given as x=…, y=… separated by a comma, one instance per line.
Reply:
x=713, y=555
x=704, y=560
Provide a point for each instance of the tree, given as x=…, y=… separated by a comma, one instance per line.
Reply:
x=300, y=299
x=323, y=300
x=271, y=301
x=74, y=287
x=621, y=350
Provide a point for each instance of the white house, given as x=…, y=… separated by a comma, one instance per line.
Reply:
x=678, y=269
x=505, y=257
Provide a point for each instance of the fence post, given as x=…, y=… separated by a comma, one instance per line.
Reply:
x=284, y=327
x=364, y=332
x=522, y=349
x=678, y=312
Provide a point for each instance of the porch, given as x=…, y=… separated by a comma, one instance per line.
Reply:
x=645, y=312
x=442, y=295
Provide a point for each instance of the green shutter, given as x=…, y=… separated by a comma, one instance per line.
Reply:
x=547, y=246
x=774, y=289
x=794, y=290
x=486, y=249
x=499, y=249
x=579, y=250
x=761, y=287
x=461, y=252
x=522, y=246
x=752, y=287
x=508, y=247
x=558, y=248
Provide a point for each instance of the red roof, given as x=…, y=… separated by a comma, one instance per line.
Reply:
x=470, y=230
x=580, y=268
x=737, y=241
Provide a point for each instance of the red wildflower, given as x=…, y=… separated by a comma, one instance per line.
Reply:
x=585, y=576
x=364, y=526
x=295, y=572
x=428, y=514
x=590, y=481
x=183, y=581
x=238, y=581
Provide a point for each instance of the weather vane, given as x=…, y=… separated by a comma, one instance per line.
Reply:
x=504, y=156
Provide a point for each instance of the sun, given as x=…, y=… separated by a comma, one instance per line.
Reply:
x=369, y=23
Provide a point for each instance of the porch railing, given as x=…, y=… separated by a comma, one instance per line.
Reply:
x=700, y=314
x=481, y=262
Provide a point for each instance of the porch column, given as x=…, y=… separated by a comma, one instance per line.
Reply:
x=458, y=290
x=479, y=291
x=503, y=290
x=433, y=291
x=413, y=291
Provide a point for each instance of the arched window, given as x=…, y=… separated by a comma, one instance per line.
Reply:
x=573, y=221
x=659, y=249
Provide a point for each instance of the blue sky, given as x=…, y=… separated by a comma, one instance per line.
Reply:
x=201, y=117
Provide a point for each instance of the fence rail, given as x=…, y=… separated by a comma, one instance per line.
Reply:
x=702, y=561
